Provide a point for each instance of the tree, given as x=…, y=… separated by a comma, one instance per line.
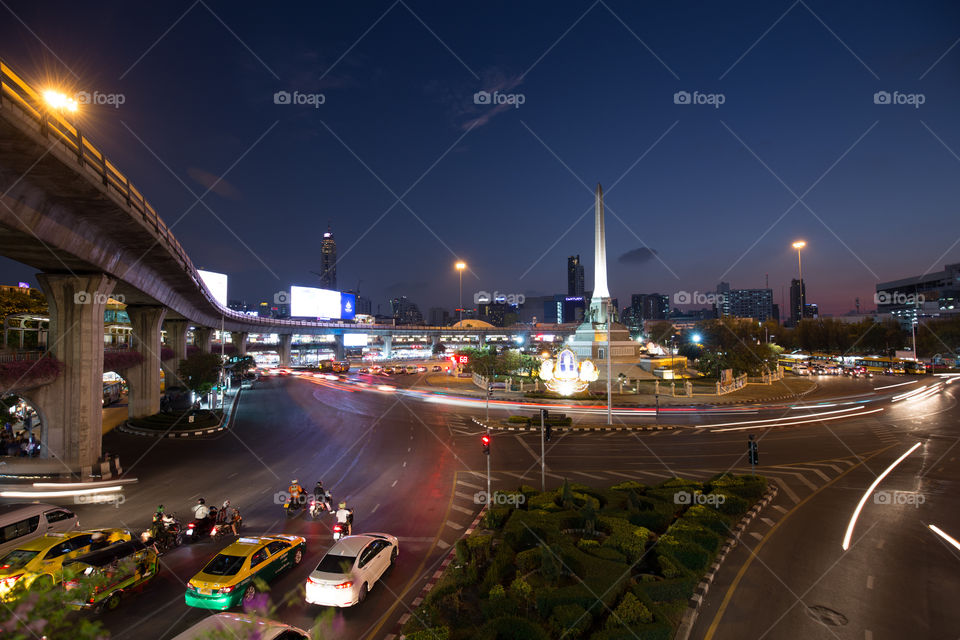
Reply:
x=200, y=371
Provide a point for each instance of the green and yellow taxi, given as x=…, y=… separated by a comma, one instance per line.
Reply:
x=228, y=579
x=39, y=561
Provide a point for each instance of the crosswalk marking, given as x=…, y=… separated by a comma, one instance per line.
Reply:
x=454, y=525
x=442, y=544
x=461, y=494
x=798, y=476
x=790, y=492
x=822, y=475
x=756, y=535
x=676, y=432
x=467, y=484
x=462, y=509
x=767, y=521
x=779, y=508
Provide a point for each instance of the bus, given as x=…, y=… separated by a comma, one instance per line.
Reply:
x=112, y=390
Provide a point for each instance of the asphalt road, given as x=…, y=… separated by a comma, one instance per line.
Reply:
x=412, y=468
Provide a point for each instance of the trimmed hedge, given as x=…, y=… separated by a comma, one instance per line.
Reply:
x=512, y=628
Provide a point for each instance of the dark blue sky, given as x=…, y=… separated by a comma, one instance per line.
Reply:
x=709, y=189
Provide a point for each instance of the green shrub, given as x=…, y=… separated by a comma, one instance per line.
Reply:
x=751, y=488
x=586, y=544
x=664, y=590
x=528, y=560
x=478, y=546
x=521, y=590
x=495, y=517
x=733, y=505
x=628, y=485
x=434, y=633
x=691, y=531
x=462, y=553
x=500, y=568
x=497, y=592
x=512, y=628
x=689, y=555
x=608, y=553
x=653, y=520
x=656, y=631
x=668, y=568
x=526, y=529
x=628, y=613
x=569, y=621
x=546, y=500
x=519, y=419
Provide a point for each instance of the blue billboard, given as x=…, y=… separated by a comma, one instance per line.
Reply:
x=348, y=306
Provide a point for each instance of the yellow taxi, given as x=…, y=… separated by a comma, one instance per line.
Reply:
x=228, y=579
x=39, y=561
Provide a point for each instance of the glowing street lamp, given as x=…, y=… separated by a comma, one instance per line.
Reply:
x=798, y=245
x=460, y=266
x=59, y=101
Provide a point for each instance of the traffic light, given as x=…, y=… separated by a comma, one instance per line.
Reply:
x=485, y=439
x=489, y=390
x=544, y=414
x=547, y=432
x=752, y=451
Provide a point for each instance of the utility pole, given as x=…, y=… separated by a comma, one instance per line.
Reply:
x=543, y=450
x=489, y=393
x=485, y=439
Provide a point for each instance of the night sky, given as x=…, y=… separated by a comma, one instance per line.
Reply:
x=412, y=174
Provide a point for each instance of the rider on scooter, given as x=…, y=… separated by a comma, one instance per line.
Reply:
x=345, y=518
x=322, y=496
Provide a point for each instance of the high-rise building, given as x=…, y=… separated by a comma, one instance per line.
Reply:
x=405, y=312
x=798, y=291
x=649, y=306
x=439, y=317
x=746, y=303
x=574, y=276
x=328, y=261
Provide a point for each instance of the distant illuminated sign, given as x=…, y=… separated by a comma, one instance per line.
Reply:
x=216, y=283
x=310, y=302
x=574, y=298
x=354, y=339
x=348, y=306
x=566, y=375
x=23, y=285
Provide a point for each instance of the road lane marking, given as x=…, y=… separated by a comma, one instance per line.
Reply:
x=469, y=512
x=394, y=483
x=589, y=475
x=869, y=582
x=799, y=476
x=867, y=634
x=233, y=475
x=756, y=535
x=787, y=490
x=728, y=596
x=465, y=496
x=404, y=463
x=866, y=495
x=377, y=506
x=822, y=475
x=443, y=545
x=881, y=543
x=779, y=508
x=767, y=521
x=454, y=525
x=416, y=575
x=515, y=475
x=468, y=484
x=408, y=449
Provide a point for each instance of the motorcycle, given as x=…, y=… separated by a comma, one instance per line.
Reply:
x=168, y=536
x=200, y=528
x=294, y=504
x=222, y=529
x=339, y=530
x=320, y=504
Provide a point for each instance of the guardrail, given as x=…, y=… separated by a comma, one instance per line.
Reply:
x=21, y=355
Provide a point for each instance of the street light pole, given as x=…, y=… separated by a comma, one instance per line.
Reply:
x=543, y=454
x=460, y=267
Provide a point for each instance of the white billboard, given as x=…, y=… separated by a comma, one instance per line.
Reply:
x=309, y=302
x=354, y=339
x=217, y=284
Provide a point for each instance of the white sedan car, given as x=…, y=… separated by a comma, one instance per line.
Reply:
x=350, y=569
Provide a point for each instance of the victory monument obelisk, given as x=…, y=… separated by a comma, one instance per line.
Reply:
x=590, y=340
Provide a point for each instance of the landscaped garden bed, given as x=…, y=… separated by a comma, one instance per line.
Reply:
x=179, y=420
x=584, y=562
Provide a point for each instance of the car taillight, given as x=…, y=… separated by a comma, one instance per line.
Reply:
x=191, y=525
x=226, y=589
x=344, y=585
x=8, y=581
x=337, y=528
x=191, y=586
x=213, y=531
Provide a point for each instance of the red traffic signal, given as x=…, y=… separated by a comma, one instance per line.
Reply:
x=485, y=439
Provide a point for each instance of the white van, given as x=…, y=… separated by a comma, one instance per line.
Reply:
x=23, y=521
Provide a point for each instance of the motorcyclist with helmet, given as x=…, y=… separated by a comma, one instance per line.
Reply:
x=345, y=518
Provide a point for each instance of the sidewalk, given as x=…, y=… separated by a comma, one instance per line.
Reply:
x=789, y=388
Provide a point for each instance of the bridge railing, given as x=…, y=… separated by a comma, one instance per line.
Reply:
x=15, y=91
